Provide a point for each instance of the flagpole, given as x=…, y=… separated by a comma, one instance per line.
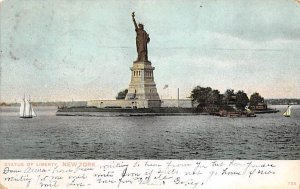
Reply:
x=178, y=97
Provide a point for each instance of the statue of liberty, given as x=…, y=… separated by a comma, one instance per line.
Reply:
x=142, y=38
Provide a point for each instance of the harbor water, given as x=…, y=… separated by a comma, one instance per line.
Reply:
x=267, y=136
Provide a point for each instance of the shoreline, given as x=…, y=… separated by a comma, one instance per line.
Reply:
x=128, y=112
x=266, y=111
x=118, y=114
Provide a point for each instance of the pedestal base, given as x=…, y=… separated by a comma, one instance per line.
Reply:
x=142, y=86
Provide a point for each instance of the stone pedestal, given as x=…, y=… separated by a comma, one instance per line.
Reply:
x=142, y=88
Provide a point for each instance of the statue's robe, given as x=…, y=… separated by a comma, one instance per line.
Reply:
x=142, y=38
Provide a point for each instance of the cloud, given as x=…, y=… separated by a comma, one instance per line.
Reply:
x=89, y=45
x=253, y=20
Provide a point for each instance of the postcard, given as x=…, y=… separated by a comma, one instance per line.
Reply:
x=149, y=94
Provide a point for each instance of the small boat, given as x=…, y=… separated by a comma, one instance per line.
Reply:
x=26, y=110
x=287, y=112
x=248, y=112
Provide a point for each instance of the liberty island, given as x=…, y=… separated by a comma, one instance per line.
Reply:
x=142, y=98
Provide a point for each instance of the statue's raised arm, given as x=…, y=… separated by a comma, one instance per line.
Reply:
x=142, y=38
x=135, y=25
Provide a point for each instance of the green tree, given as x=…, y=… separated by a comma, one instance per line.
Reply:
x=241, y=100
x=214, y=98
x=222, y=99
x=229, y=93
x=200, y=95
x=122, y=94
x=255, y=98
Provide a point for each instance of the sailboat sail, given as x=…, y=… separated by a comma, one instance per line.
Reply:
x=288, y=112
x=26, y=110
x=22, y=108
x=32, y=112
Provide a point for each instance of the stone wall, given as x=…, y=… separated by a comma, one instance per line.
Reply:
x=184, y=103
x=110, y=103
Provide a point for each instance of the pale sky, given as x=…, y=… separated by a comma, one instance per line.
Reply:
x=82, y=49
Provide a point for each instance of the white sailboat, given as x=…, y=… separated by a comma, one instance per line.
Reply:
x=287, y=112
x=247, y=109
x=26, y=110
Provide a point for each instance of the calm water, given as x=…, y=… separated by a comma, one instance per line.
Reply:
x=268, y=136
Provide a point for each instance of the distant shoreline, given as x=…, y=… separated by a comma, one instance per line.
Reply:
x=279, y=101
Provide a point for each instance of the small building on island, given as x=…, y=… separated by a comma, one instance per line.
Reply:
x=260, y=106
